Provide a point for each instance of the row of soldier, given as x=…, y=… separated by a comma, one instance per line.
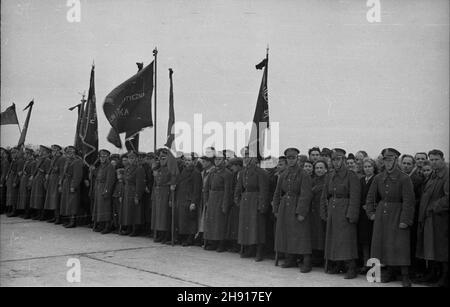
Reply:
x=322, y=209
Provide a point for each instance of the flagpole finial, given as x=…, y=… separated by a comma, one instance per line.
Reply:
x=155, y=51
x=93, y=64
x=170, y=72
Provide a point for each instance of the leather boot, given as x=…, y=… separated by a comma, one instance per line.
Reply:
x=259, y=253
x=210, y=245
x=248, y=251
x=107, y=229
x=124, y=232
x=158, y=237
x=35, y=215
x=72, y=223
x=221, y=247
x=42, y=215
x=53, y=219
x=351, y=271
x=97, y=227
x=431, y=276
x=135, y=231
x=189, y=241
x=387, y=275
x=13, y=213
x=58, y=220
x=406, y=282
x=289, y=262
x=27, y=214
x=306, y=266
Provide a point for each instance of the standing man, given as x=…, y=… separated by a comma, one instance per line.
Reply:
x=53, y=197
x=314, y=154
x=251, y=195
x=433, y=219
x=291, y=206
x=235, y=166
x=13, y=179
x=4, y=154
x=219, y=196
x=105, y=178
x=393, y=216
x=339, y=205
x=37, y=197
x=71, y=181
x=420, y=158
x=23, y=202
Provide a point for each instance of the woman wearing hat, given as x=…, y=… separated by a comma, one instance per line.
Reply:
x=291, y=206
x=37, y=197
x=390, y=204
x=251, y=195
x=105, y=178
x=340, y=203
x=132, y=213
x=219, y=195
x=70, y=186
x=53, y=197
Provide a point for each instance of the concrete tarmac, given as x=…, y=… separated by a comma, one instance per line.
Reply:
x=34, y=253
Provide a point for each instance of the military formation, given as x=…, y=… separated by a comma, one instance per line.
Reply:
x=326, y=209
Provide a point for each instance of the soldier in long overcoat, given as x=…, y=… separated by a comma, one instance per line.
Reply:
x=147, y=163
x=340, y=202
x=5, y=162
x=188, y=195
x=53, y=196
x=292, y=206
x=393, y=216
x=132, y=210
x=37, y=196
x=71, y=180
x=218, y=196
x=251, y=195
x=432, y=243
x=105, y=178
x=13, y=179
x=23, y=203
x=161, y=197
x=235, y=165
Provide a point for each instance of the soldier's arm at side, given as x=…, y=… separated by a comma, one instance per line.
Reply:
x=238, y=189
x=77, y=175
x=304, y=201
x=355, y=199
x=277, y=195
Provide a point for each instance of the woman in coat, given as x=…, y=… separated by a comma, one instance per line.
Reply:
x=292, y=206
x=318, y=226
x=132, y=213
x=251, y=195
x=365, y=226
x=340, y=203
x=70, y=186
x=105, y=178
x=188, y=194
x=390, y=204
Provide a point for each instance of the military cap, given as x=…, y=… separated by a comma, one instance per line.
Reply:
x=351, y=156
x=236, y=161
x=291, y=152
x=44, y=148
x=56, y=147
x=104, y=151
x=338, y=152
x=29, y=149
x=390, y=152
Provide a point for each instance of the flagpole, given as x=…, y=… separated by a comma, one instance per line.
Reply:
x=155, y=54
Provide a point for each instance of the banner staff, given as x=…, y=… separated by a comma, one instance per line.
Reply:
x=155, y=54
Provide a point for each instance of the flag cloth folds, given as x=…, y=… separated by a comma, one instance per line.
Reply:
x=261, y=117
x=89, y=126
x=114, y=138
x=170, y=134
x=132, y=142
x=128, y=106
x=23, y=135
x=9, y=116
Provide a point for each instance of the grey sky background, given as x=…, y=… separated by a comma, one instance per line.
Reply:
x=334, y=78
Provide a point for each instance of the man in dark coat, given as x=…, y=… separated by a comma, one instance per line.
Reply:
x=188, y=195
x=291, y=206
x=432, y=243
x=251, y=195
x=23, y=202
x=147, y=163
x=13, y=179
x=105, y=178
x=5, y=161
x=37, y=196
x=393, y=216
x=71, y=181
x=339, y=204
x=53, y=197
x=219, y=196
x=235, y=166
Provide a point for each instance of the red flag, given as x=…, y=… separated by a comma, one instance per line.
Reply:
x=9, y=116
x=89, y=126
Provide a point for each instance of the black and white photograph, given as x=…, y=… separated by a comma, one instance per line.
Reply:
x=239, y=146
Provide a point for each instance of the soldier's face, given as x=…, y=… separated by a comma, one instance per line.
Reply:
x=103, y=157
x=219, y=161
x=188, y=162
x=320, y=169
x=407, y=165
x=132, y=159
x=389, y=163
x=427, y=170
x=337, y=162
x=420, y=158
x=436, y=162
x=314, y=156
x=292, y=160
x=70, y=153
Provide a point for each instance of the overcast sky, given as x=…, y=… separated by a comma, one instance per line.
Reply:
x=334, y=78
